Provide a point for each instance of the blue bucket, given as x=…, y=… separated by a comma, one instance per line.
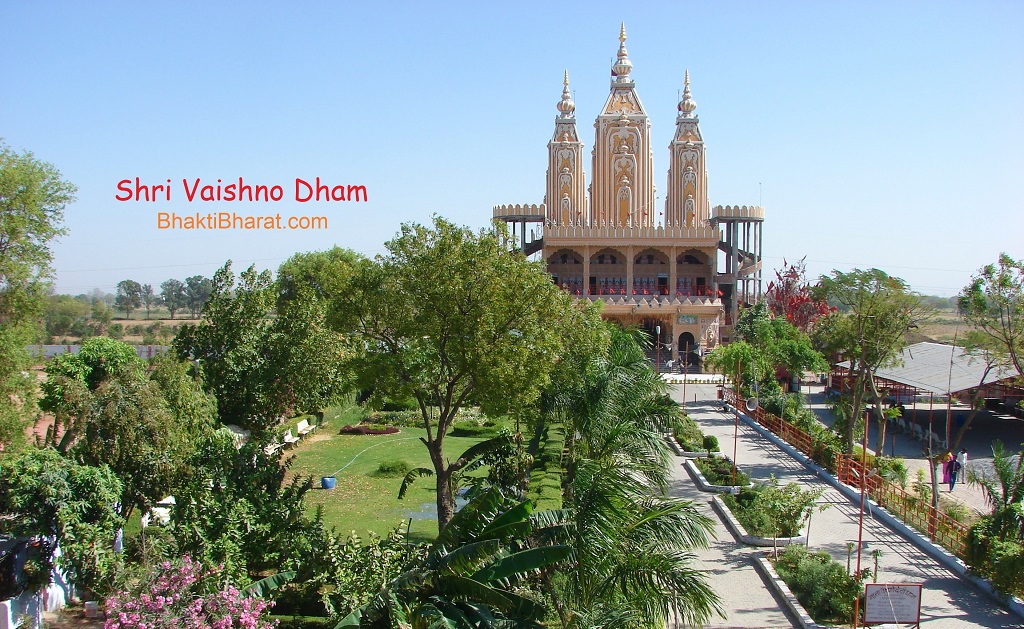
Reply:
x=328, y=482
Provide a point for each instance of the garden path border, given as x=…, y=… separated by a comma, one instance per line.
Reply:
x=1013, y=603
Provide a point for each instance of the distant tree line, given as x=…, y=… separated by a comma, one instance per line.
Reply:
x=174, y=295
x=91, y=314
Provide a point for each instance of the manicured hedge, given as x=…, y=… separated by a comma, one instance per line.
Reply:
x=545, y=488
x=363, y=429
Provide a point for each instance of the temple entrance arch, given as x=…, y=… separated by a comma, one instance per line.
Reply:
x=690, y=358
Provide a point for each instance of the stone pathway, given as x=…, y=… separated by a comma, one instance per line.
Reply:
x=905, y=446
x=948, y=600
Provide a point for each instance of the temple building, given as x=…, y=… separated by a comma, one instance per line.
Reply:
x=682, y=278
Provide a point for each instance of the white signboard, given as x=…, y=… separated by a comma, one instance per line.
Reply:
x=892, y=602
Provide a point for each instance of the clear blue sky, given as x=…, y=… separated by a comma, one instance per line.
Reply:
x=886, y=134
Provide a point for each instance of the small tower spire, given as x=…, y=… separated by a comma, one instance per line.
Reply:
x=566, y=107
x=687, y=105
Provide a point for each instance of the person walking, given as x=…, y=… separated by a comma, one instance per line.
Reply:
x=946, y=459
x=961, y=463
x=954, y=471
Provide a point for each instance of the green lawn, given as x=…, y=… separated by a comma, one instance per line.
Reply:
x=360, y=501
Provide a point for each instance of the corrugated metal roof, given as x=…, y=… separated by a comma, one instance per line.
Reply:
x=939, y=369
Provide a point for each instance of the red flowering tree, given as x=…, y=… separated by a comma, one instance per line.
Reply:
x=791, y=296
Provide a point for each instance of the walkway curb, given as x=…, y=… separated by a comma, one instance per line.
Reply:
x=741, y=534
x=703, y=484
x=779, y=586
x=936, y=552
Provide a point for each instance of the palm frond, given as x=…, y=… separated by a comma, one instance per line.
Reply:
x=411, y=477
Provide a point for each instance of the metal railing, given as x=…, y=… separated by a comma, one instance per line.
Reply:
x=912, y=509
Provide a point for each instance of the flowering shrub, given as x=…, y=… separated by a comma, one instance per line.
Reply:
x=185, y=595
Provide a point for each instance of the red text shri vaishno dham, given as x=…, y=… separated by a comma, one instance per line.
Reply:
x=239, y=191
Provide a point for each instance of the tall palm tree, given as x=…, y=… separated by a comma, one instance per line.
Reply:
x=632, y=562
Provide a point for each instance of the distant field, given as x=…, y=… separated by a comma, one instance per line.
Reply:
x=944, y=327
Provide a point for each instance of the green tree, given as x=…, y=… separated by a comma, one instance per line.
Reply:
x=33, y=195
x=194, y=410
x=1004, y=490
x=148, y=297
x=115, y=415
x=197, y=290
x=46, y=495
x=129, y=296
x=101, y=314
x=631, y=562
x=65, y=313
x=870, y=330
x=239, y=350
x=72, y=378
x=993, y=305
x=449, y=317
x=128, y=428
x=172, y=296
x=238, y=507
x=780, y=342
x=313, y=355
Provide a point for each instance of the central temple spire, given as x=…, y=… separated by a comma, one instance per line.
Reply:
x=622, y=193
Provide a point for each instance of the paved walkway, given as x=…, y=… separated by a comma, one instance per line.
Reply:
x=978, y=442
x=948, y=600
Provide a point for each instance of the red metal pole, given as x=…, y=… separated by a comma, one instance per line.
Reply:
x=931, y=417
x=736, y=409
x=860, y=523
x=686, y=371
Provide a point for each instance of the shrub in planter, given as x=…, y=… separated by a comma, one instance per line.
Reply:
x=822, y=585
x=710, y=443
x=688, y=434
x=718, y=471
x=769, y=510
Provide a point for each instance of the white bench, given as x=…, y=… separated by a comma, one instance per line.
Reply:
x=272, y=448
x=289, y=439
x=304, y=428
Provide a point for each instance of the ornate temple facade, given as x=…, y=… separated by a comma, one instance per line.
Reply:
x=606, y=242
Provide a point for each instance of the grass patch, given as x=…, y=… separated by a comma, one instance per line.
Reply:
x=361, y=501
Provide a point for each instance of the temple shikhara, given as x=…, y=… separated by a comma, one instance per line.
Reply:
x=683, y=277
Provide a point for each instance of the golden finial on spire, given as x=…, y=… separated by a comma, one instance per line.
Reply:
x=565, y=81
x=686, y=81
x=622, y=33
